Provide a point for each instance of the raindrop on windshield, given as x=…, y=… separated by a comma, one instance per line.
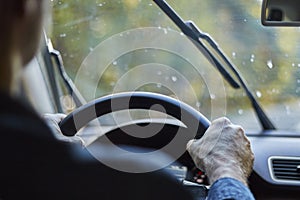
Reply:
x=288, y=110
x=252, y=58
x=270, y=64
x=63, y=35
x=240, y=111
x=165, y=31
x=174, y=78
x=233, y=55
x=258, y=94
x=158, y=85
x=115, y=63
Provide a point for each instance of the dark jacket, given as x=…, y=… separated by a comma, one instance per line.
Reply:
x=34, y=165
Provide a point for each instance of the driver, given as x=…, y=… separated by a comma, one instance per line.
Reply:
x=35, y=165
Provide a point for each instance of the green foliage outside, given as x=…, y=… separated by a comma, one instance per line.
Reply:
x=266, y=57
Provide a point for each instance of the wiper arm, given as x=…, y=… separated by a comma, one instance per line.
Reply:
x=72, y=89
x=190, y=30
x=196, y=36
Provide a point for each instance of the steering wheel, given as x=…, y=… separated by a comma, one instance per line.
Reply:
x=195, y=123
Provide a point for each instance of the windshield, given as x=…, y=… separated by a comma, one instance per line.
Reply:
x=129, y=45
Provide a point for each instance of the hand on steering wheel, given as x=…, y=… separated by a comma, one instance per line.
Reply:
x=195, y=123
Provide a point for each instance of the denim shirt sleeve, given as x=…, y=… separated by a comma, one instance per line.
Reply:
x=228, y=188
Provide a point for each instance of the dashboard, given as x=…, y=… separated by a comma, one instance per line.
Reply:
x=276, y=170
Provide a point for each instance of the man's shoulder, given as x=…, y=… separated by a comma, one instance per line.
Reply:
x=17, y=119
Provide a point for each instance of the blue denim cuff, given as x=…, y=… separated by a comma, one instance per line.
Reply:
x=229, y=188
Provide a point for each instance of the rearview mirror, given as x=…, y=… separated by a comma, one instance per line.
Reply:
x=280, y=13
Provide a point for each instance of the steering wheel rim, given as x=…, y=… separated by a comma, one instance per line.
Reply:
x=134, y=100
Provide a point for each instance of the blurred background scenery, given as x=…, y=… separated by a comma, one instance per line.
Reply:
x=267, y=57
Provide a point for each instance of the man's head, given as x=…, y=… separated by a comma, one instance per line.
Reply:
x=21, y=26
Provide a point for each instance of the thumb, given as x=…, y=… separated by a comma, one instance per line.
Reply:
x=189, y=145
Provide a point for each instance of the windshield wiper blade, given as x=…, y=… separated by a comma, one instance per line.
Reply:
x=190, y=30
x=196, y=36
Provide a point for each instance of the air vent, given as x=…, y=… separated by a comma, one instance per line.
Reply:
x=285, y=168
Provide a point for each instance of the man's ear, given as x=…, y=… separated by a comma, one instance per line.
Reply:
x=27, y=27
